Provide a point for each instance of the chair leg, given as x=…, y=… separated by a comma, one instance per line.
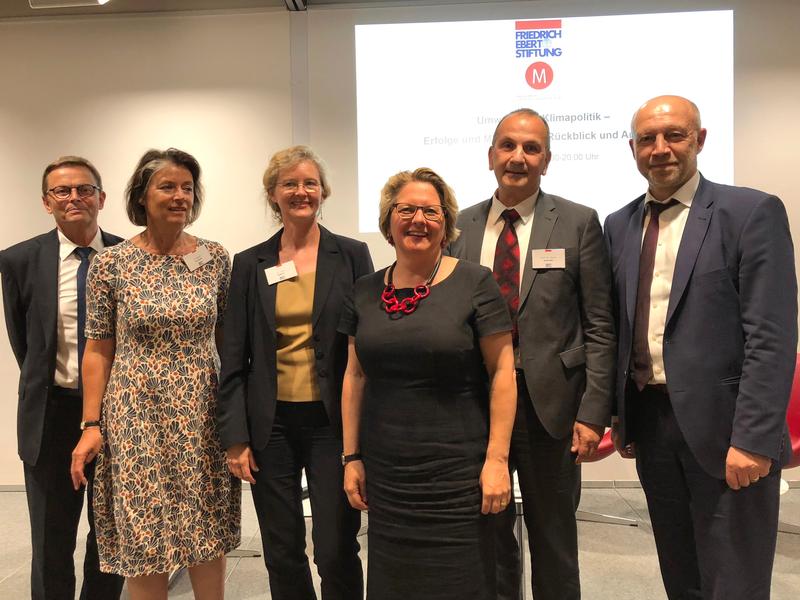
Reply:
x=593, y=517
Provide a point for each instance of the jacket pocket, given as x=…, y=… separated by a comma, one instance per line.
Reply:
x=573, y=357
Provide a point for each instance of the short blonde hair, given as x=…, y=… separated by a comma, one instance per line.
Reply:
x=286, y=159
x=396, y=183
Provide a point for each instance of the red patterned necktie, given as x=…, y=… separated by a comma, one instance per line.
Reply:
x=506, y=266
x=641, y=362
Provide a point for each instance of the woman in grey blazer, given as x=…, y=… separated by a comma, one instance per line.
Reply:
x=280, y=389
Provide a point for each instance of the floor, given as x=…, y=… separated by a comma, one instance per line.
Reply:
x=616, y=561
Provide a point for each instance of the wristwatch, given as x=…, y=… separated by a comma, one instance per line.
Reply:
x=85, y=424
x=346, y=458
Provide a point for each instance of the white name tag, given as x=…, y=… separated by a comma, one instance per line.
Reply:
x=195, y=260
x=548, y=258
x=280, y=273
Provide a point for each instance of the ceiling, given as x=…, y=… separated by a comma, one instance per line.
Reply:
x=21, y=8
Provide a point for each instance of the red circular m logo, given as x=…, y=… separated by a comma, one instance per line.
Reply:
x=539, y=75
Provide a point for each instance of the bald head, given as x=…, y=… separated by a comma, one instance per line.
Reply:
x=668, y=104
x=666, y=138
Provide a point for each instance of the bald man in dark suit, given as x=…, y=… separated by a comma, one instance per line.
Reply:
x=706, y=309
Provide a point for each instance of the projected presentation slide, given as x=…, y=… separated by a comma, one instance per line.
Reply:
x=431, y=94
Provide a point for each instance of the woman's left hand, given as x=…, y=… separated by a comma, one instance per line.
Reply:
x=496, y=486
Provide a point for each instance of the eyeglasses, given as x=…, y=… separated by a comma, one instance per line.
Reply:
x=670, y=137
x=433, y=212
x=64, y=192
x=309, y=185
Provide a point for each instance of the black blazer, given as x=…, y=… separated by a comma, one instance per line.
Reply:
x=30, y=303
x=249, y=378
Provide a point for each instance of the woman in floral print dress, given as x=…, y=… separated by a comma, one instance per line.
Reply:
x=163, y=497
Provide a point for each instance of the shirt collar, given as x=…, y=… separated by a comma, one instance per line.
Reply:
x=524, y=208
x=684, y=194
x=66, y=246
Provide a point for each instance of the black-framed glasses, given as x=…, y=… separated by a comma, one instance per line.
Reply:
x=64, y=192
x=433, y=212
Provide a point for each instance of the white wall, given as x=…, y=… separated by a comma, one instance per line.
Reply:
x=216, y=85
x=233, y=87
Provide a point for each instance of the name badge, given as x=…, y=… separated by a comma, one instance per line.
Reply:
x=280, y=273
x=548, y=258
x=195, y=260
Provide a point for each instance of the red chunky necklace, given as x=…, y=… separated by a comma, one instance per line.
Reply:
x=407, y=305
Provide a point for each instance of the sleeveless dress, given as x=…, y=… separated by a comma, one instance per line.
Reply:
x=163, y=497
x=424, y=432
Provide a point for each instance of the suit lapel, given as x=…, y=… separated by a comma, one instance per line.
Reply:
x=633, y=249
x=48, y=286
x=693, y=235
x=268, y=257
x=109, y=239
x=544, y=219
x=474, y=233
x=327, y=261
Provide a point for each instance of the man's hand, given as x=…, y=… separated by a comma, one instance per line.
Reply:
x=628, y=451
x=585, y=439
x=743, y=468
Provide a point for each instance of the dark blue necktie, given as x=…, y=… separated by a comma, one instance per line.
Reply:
x=83, y=269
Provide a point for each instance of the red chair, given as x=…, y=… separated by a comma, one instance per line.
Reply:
x=793, y=421
x=604, y=449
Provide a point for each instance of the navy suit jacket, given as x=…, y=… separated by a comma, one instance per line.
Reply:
x=730, y=339
x=567, y=344
x=30, y=304
x=249, y=377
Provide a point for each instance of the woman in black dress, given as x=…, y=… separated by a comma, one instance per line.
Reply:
x=428, y=403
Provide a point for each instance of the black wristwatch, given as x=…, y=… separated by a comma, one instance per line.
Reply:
x=85, y=424
x=346, y=458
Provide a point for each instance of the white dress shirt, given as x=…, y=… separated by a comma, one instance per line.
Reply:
x=494, y=227
x=67, y=366
x=671, y=224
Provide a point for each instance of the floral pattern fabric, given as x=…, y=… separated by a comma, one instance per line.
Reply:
x=163, y=497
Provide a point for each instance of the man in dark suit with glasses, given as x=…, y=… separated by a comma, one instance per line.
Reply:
x=44, y=293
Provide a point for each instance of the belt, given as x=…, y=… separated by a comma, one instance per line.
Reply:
x=69, y=392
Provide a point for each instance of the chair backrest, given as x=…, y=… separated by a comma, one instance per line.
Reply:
x=604, y=448
x=793, y=417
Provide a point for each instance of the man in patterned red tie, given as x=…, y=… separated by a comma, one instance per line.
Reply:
x=44, y=282
x=551, y=264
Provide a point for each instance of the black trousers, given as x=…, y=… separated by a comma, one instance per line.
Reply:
x=55, y=510
x=713, y=542
x=302, y=438
x=550, y=483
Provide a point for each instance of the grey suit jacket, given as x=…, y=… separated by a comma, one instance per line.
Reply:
x=567, y=343
x=30, y=304
x=730, y=339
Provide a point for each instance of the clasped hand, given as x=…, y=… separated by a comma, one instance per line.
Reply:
x=495, y=486
x=743, y=468
x=241, y=462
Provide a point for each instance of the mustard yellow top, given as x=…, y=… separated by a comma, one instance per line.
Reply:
x=294, y=302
